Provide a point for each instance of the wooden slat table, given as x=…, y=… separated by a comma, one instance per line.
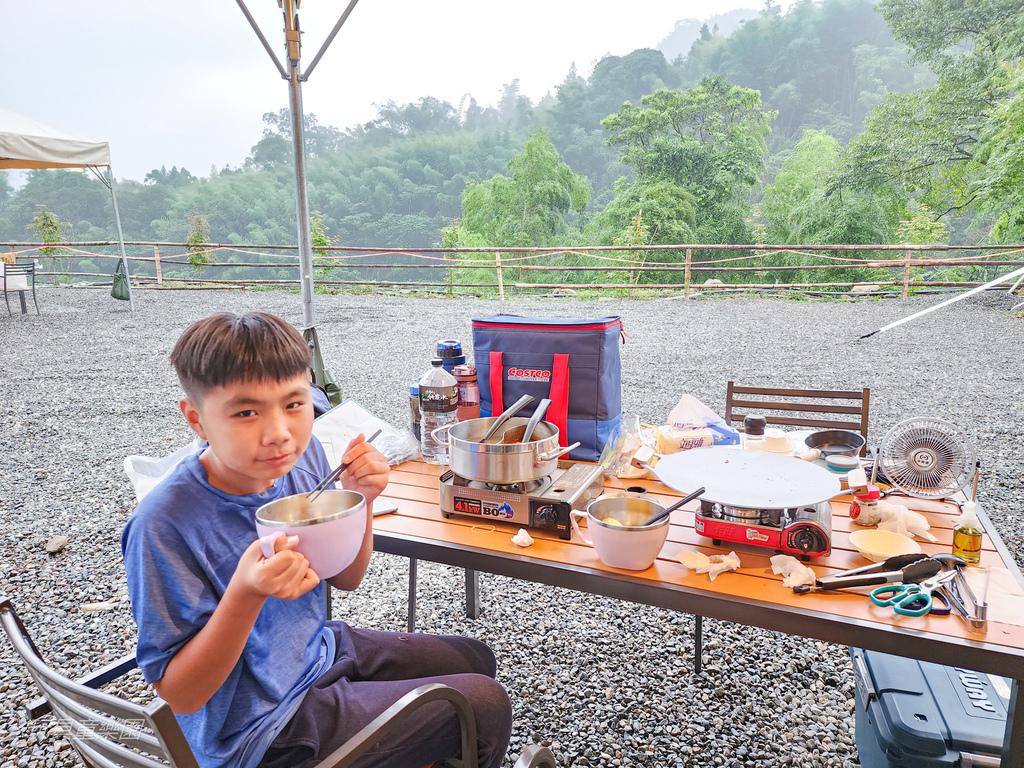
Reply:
x=753, y=595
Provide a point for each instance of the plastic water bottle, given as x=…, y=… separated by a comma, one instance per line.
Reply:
x=450, y=352
x=439, y=402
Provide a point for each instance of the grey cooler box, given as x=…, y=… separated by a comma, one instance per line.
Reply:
x=915, y=714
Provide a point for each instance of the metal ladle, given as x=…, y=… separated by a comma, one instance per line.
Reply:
x=524, y=433
x=507, y=414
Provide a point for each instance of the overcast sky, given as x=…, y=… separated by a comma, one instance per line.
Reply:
x=186, y=84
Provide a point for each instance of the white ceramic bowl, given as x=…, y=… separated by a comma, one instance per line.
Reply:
x=878, y=545
x=330, y=530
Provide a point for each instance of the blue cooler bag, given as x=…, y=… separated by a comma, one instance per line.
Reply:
x=575, y=363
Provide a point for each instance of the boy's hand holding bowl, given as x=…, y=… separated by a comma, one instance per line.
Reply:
x=331, y=527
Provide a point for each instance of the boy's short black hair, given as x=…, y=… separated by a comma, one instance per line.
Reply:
x=226, y=349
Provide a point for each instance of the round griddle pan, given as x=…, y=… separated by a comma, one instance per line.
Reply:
x=748, y=479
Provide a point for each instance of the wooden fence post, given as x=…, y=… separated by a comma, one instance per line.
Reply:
x=13, y=258
x=501, y=283
x=906, y=272
x=686, y=279
x=156, y=260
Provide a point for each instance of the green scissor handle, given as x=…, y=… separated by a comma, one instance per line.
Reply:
x=905, y=599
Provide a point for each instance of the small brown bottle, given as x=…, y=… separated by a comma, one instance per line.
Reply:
x=967, y=534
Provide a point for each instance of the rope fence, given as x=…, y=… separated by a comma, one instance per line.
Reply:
x=183, y=265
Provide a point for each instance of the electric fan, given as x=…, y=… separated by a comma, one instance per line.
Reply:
x=927, y=457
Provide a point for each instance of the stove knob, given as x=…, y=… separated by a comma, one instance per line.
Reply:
x=808, y=539
x=547, y=514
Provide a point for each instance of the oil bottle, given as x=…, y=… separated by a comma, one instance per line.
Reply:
x=967, y=533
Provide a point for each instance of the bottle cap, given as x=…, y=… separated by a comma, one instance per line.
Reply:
x=437, y=362
x=754, y=425
x=873, y=493
x=449, y=348
x=464, y=372
x=969, y=515
x=414, y=389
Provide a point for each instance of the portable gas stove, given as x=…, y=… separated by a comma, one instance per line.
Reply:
x=542, y=503
x=804, y=530
x=758, y=498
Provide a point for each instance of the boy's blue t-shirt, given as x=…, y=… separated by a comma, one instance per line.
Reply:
x=180, y=549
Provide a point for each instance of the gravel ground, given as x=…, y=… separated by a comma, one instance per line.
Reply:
x=604, y=682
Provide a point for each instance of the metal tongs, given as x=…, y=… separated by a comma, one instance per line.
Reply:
x=972, y=611
x=904, y=569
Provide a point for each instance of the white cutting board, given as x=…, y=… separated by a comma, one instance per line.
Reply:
x=747, y=479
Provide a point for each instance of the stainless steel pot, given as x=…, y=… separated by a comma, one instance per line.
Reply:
x=501, y=463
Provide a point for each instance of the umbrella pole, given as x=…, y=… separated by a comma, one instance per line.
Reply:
x=302, y=201
x=120, y=237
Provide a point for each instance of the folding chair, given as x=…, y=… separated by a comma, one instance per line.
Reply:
x=14, y=278
x=111, y=732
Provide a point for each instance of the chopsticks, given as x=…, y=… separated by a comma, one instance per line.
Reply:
x=335, y=474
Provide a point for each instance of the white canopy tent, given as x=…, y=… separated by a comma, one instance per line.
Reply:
x=29, y=143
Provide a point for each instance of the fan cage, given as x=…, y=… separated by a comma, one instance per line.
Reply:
x=926, y=457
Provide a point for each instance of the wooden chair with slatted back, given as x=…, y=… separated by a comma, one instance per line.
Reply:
x=111, y=732
x=818, y=408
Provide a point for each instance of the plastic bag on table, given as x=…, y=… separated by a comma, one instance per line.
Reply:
x=623, y=444
x=336, y=428
x=691, y=415
x=145, y=472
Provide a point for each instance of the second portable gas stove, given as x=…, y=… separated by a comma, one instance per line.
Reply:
x=543, y=503
x=755, y=497
x=803, y=530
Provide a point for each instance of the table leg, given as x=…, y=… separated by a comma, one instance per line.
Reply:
x=327, y=599
x=1013, y=741
x=411, y=623
x=472, y=594
x=698, y=644
x=24, y=306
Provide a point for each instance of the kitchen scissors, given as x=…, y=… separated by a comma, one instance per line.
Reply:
x=915, y=599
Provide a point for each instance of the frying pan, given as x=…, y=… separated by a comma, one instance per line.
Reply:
x=835, y=441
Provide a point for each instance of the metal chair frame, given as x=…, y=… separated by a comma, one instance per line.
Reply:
x=112, y=732
x=18, y=270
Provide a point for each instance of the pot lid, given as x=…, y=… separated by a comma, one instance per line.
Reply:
x=748, y=479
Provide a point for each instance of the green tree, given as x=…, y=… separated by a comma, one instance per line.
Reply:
x=956, y=143
x=198, y=235
x=710, y=139
x=276, y=147
x=805, y=204
x=1000, y=180
x=50, y=229
x=538, y=203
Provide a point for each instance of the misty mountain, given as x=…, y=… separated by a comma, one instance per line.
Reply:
x=688, y=31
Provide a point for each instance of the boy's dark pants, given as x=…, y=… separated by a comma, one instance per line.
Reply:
x=371, y=672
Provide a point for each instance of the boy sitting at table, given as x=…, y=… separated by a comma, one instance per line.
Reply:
x=237, y=643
